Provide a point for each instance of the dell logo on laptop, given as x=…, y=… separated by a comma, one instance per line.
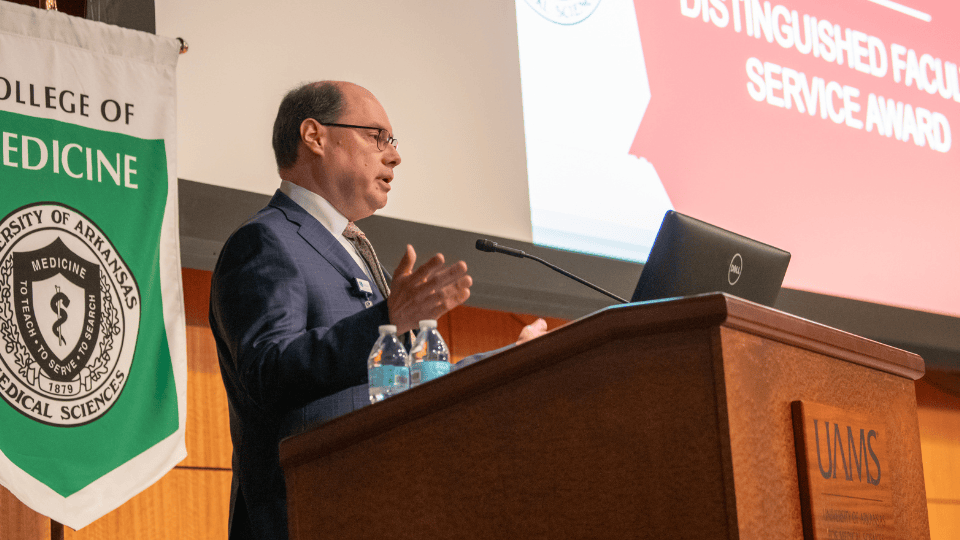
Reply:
x=736, y=266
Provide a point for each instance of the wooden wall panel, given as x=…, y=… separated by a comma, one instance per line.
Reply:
x=17, y=522
x=184, y=504
x=938, y=412
x=196, y=296
x=944, y=520
x=940, y=441
x=208, y=423
x=469, y=330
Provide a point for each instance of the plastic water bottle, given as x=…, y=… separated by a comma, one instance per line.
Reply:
x=386, y=366
x=429, y=356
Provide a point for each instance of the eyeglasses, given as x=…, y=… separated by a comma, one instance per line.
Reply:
x=383, y=138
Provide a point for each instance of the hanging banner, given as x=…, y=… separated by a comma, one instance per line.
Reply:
x=92, y=337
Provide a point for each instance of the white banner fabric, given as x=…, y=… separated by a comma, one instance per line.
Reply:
x=93, y=368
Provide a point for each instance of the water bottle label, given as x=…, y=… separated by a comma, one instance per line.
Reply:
x=387, y=376
x=421, y=372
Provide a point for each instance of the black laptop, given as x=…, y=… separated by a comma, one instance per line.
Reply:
x=692, y=257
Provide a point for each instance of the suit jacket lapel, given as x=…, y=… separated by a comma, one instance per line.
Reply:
x=320, y=239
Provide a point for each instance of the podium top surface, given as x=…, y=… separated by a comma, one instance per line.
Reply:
x=720, y=309
x=609, y=324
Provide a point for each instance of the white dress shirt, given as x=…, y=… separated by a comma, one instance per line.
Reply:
x=327, y=215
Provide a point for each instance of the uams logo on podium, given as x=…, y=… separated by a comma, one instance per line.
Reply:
x=843, y=468
x=69, y=316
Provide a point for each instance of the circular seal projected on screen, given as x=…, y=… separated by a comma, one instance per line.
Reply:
x=564, y=11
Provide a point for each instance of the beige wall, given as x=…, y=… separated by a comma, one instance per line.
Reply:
x=447, y=73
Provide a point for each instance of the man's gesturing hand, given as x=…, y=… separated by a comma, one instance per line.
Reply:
x=427, y=292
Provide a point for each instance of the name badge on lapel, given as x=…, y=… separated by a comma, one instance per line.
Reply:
x=361, y=287
x=364, y=286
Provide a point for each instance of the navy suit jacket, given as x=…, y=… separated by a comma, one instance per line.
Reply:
x=293, y=331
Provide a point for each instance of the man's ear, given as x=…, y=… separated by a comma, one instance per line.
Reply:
x=313, y=136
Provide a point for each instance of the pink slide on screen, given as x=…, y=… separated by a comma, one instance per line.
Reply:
x=755, y=124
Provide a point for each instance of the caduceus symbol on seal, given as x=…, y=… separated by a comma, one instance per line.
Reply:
x=59, y=304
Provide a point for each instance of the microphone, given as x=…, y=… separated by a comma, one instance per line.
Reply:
x=490, y=247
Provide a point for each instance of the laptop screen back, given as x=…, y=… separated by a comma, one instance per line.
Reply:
x=690, y=256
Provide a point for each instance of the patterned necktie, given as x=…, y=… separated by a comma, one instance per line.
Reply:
x=365, y=249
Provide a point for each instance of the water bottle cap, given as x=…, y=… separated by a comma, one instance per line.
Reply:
x=428, y=323
x=388, y=329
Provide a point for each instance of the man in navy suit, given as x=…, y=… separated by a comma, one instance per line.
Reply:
x=294, y=305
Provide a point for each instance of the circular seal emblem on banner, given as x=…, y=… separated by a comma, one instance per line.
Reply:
x=69, y=316
x=564, y=11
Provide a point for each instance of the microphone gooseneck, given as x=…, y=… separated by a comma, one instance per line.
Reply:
x=491, y=247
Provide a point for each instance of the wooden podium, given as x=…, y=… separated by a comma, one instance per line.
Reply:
x=669, y=419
